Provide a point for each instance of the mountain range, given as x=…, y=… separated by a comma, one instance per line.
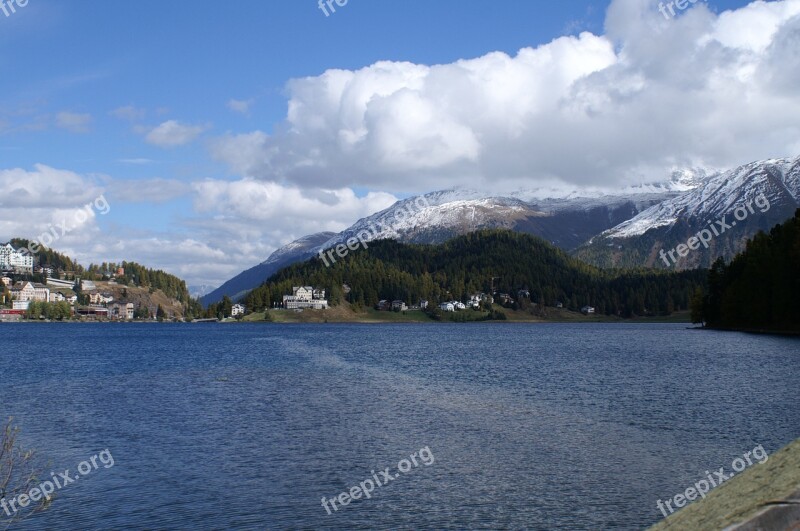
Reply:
x=626, y=227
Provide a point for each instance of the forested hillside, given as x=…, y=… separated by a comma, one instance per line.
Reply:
x=760, y=288
x=467, y=264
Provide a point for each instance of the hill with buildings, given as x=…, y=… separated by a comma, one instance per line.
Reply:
x=48, y=284
x=503, y=266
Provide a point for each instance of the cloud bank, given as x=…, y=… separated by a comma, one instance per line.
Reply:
x=651, y=94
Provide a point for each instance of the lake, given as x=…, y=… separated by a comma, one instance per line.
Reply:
x=521, y=426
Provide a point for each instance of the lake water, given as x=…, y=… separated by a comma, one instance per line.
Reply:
x=545, y=426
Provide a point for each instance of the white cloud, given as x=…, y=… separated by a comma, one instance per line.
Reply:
x=46, y=199
x=172, y=133
x=77, y=123
x=240, y=106
x=288, y=208
x=697, y=90
x=45, y=187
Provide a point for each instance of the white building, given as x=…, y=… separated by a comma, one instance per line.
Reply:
x=399, y=306
x=237, y=309
x=20, y=305
x=100, y=298
x=28, y=291
x=587, y=310
x=12, y=259
x=303, y=297
x=447, y=307
x=63, y=294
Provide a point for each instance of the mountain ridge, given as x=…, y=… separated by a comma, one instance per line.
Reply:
x=570, y=218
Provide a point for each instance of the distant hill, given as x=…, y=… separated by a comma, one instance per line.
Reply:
x=467, y=264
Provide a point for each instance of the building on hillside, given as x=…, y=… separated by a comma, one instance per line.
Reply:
x=505, y=298
x=58, y=283
x=237, y=310
x=587, y=310
x=399, y=306
x=122, y=311
x=100, y=298
x=87, y=285
x=30, y=291
x=92, y=311
x=383, y=306
x=423, y=304
x=44, y=270
x=7, y=281
x=305, y=297
x=56, y=296
x=447, y=307
x=15, y=260
x=20, y=305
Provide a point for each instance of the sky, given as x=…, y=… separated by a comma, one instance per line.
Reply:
x=198, y=137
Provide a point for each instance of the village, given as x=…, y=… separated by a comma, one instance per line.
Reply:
x=32, y=291
x=311, y=298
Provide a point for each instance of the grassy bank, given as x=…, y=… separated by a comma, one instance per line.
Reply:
x=745, y=497
x=344, y=313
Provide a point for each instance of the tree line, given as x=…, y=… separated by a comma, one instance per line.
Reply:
x=760, y=288
x=475, y=263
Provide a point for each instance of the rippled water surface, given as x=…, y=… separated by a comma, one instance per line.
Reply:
x=553, y=426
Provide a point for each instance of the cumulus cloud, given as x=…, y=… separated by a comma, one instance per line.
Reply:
x=77, y=123
x=650, y=94
x=288, y=208
x=173, y=133
x=47, y=199
x=45, y=187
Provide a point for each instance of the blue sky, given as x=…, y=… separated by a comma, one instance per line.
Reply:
x=179, y=111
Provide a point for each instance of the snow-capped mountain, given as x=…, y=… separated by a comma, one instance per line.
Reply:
x=608, y=227
x=287, y=255
x=765, y=193
x=566, y=221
